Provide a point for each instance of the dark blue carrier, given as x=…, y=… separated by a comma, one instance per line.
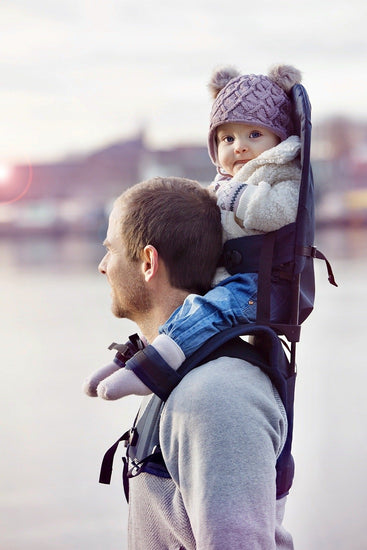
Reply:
x=286, y=255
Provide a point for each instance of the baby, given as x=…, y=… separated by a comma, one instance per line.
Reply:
x=251, y=142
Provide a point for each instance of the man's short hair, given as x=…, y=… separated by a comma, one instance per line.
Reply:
x=182, y=221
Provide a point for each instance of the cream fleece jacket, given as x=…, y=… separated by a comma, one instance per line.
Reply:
x=269, y=200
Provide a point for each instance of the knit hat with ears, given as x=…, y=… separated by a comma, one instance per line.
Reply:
x=252, y=99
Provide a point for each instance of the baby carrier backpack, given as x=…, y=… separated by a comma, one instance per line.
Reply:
x=288, y=254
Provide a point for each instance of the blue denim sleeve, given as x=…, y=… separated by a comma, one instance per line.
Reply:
x=231, y=302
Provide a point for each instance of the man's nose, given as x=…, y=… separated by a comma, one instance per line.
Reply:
x=102, y=266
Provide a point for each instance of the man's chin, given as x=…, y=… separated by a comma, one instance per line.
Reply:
x=117, y=311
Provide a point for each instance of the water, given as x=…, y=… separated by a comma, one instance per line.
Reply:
x=55, y=326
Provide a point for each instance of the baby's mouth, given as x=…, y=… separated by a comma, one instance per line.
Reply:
x=240, y=162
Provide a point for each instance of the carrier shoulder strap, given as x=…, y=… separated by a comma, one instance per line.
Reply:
x=142, y=441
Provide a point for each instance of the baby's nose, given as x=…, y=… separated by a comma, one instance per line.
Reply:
x=241, y=145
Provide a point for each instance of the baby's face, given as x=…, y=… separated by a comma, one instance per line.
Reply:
x=238, y=143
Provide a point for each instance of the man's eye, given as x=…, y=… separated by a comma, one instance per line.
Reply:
x=255, y=134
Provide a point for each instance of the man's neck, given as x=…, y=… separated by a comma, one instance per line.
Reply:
x=150, y=322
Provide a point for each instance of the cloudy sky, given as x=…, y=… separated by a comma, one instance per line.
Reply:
x=79, y=74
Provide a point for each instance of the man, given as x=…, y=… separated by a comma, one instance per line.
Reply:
x=223, y=427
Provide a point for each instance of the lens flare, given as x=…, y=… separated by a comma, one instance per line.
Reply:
x=5, y=180
x=5, y=172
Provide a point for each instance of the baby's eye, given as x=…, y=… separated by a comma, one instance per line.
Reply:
x=255, y=134
x=228, y=139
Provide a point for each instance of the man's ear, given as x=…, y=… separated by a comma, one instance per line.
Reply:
x=150, y=261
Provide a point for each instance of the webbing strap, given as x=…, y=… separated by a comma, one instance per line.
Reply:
x=264, y=279
x=107, y=463
x=125, y=479
x=312, y=252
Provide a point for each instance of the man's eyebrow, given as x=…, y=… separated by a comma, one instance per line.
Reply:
x=106, y=243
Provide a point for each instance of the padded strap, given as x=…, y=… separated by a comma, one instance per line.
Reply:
x=154, y=372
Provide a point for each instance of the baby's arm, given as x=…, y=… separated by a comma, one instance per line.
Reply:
x=263, y=194
x=266, y=207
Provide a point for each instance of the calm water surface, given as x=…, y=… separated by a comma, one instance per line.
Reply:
x=56, y=325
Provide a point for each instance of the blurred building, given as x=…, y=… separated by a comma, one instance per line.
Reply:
x=339, y=160
x=74, y=195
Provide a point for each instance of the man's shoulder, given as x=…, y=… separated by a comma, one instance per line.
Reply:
x=223, y=394
x=222, y=379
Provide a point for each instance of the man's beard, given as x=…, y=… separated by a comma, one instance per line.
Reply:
x=135, y=302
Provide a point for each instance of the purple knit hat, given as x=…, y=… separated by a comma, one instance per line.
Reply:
x=252, y=99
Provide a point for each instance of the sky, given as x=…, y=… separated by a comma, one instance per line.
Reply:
x=77, y=75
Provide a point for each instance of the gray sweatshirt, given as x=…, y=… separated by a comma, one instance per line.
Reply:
x=221, y=431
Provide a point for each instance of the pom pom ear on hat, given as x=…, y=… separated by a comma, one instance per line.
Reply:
x=220, y=79
x=285, y=76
